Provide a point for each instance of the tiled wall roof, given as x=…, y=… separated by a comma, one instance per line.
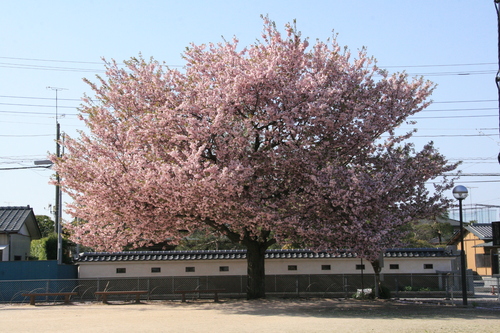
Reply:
x=241, y=254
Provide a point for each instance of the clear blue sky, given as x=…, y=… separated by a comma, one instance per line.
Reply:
x=57, y=43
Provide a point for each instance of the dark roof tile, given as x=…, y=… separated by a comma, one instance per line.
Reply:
x=481, y=230
x=241, y=254
x=12, y=220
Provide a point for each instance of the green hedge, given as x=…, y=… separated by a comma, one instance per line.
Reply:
x=46, y=249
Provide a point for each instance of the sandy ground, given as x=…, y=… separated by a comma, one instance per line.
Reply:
x=271, y=315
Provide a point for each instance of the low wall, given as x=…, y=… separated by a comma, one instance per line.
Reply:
x=493, y=281
x=34, y=270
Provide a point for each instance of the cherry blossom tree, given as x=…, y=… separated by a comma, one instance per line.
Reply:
x=271, y=142
x=372, y=200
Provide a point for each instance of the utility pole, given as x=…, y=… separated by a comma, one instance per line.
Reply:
x=58, y=205
x=497, y=78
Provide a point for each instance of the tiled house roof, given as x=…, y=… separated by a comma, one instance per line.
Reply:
x=241, y=254
x=483, y=231
x=12, y=220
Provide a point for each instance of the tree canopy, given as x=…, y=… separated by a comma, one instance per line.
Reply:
x=46, y=225
x=280, y=140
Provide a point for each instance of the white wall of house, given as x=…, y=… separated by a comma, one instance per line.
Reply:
x=415, y=265
x=4, y=253
x=17, y=245
x=4, y=247
x=4, y=239
x=24, y=230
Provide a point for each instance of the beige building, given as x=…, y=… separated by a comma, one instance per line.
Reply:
x=480, y=252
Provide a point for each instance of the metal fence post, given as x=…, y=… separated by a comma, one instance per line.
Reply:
x=446, y=286
x=498, y=286
x=344, y=279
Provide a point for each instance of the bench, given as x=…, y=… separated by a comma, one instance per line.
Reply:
x=66, y=295
x=197, y=291
x=104, y=294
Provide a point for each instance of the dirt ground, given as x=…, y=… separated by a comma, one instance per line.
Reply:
x=270, y=315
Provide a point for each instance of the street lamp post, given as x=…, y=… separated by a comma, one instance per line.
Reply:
x=460, y=192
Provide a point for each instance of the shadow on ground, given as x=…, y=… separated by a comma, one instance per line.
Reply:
x=349, y=308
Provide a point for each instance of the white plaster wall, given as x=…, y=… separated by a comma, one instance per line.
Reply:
x=168, y=268
x=416, y=265
x=273, y=266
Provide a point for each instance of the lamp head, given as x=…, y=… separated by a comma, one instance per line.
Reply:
x=460, y=192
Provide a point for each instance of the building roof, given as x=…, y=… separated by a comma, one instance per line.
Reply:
x=241, y=254
x=483, y=231
x=440, y=219
x=12, y=220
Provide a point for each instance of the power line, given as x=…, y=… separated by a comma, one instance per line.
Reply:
x=478, y=181
x=79, y=100
x=37, y=113
x=50, y=60
x=51, y=68
x=451, y=135
x=466, y=73
x=38, y=106
x=394, y=66
x=473, y=174
x=450, y=117
x=44, y=98
x=21, y=168
x=474, y=158
x=41, y=67
x=24, y=136
x=71, y=61
x=471, y=101
x=410, y=117
x=454, y=110
x=442, y=65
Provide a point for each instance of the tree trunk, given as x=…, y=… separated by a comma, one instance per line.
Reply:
x=256, y=252
x=377, y=268
x=256, y=273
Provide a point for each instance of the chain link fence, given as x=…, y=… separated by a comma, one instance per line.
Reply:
x=163, y=288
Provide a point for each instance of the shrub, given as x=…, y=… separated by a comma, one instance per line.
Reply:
x=384, y=292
